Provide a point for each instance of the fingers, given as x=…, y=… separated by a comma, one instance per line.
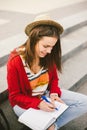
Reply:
x=52, y=102
x=51, y=106
x=59, y=100
x=45, y=106
x=55, y=97
x=52, y=127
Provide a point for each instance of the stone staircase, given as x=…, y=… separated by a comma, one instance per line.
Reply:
x=74, y=47
x=74, y=52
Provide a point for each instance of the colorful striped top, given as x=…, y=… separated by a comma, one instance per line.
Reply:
x=39, y=81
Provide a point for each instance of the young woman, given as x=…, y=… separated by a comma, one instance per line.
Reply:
x=32, y=71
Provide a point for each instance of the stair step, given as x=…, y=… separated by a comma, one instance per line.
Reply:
x=7, y=45
x=83, y=88
x=74, y=70
x=74, y=21
x=73, y=42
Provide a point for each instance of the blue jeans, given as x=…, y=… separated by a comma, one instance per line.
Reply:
x=77, y=106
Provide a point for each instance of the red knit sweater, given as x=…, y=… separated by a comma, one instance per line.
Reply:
x=20, y=92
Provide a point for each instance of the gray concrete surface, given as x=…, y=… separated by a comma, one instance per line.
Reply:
x=12, y=34
x=73, y=70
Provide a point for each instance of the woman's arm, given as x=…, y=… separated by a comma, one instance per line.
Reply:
x=53, y=83
x=18, y=94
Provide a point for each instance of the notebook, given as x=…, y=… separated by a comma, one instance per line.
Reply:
x=39, y=119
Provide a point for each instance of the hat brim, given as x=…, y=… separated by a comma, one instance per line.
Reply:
x=32, y=25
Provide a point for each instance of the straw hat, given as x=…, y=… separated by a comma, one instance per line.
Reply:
x=43, y=20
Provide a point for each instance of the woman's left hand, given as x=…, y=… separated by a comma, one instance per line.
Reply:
x=54, y=96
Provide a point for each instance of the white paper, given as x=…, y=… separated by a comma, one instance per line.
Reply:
x=41, y=120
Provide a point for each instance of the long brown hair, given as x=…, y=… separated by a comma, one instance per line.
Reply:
x=35, y=35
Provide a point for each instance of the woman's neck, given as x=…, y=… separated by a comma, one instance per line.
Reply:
x=35, y=68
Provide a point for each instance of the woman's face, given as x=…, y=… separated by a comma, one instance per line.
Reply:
x=45, y=46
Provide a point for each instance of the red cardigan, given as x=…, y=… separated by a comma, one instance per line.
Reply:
x=18, y=85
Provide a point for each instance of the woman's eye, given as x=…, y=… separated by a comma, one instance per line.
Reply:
x=45, y=46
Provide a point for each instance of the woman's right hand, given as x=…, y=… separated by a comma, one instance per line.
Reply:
x=45, y=106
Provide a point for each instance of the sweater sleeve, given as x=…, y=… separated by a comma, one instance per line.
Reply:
x=17, y=91
x=53, y=84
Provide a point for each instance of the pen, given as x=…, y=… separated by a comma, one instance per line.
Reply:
x=44, y=98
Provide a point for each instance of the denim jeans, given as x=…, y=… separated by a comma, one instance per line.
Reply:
x=77, y=106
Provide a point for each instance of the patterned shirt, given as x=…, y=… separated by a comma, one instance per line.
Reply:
x=39, y=81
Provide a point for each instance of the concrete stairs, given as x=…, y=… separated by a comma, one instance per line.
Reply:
x=74, y=54
x=74, y=47
x=74, y=43
x=74, y=58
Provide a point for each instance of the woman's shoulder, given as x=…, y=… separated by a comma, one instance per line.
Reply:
x=14, y=56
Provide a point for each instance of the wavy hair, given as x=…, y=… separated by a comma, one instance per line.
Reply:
x=37, y=34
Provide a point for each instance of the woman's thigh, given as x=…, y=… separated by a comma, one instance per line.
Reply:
x=77, y=106
x=18, y=110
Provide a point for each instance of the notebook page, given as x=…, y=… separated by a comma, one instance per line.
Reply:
x=39, y=120
x=61, y=108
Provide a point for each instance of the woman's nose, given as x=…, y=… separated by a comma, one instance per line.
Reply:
x=49, y=50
